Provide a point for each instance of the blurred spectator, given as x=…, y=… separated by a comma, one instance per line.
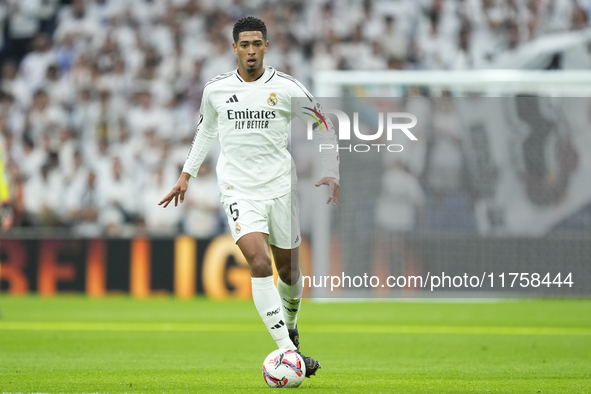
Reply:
x=401, y=199
x=432, y=46
x=416, y=156
x=160, y=91
x=107, y=55
x=464, y=58
x=355, y=45
x=15, y=85
x=288, y=55
x=116, y=199
x=376, y=60
x=106, y=90
x=103, y=117
x=178, y=119
x=126, y=148
x=22, y=25
x=393, y=43
x=47, y=16
x=195, y=86
x=12, y=120
x=102, y=10
x=117, y=82
x=487, y=18
x=3, y=14
x=221, y=55
x=75, y=21
x=83, y=207
x=80, y=117
x=59, y=89
x=145, y=12
x=76, y=174
x=559, y=15
x=145, y=116
x=444, y=172
x=32, y=159
x=43, y=208
x=64, y=53
x=203, y=205
x=35, y=63
x=324, y=57
x=580, y=19
x=160, y=221
x=43, y=118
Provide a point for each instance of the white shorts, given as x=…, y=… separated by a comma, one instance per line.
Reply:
x=279, y=218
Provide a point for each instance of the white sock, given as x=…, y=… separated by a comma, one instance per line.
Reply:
x=268, y=304
x=291, y=298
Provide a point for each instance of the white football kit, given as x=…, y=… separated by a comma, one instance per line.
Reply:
x=256, y=173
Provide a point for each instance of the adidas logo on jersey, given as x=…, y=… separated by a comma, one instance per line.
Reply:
x=232, y=99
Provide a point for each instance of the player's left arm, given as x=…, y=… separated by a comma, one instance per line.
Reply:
x=325, y=133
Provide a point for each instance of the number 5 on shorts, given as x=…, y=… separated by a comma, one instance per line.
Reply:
x=234, y=212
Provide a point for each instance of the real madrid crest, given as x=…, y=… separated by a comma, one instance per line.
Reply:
x=272, y=100
x=238, y=228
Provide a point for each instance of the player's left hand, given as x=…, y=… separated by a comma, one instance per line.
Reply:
x=335, y=189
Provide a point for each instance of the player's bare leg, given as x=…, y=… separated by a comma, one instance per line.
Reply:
x=287, y=262
x=266, y=298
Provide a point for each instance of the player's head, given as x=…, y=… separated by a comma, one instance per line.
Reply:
x=249, y=23
x=250, y=43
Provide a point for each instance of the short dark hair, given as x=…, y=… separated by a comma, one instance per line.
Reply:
x=249, y=23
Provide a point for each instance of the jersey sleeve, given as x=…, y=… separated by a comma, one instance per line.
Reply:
x=324, y=131
x=207, y=130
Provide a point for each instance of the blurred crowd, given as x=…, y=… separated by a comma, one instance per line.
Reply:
x=98, y=98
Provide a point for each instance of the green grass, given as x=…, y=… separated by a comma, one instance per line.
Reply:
x=120, y=345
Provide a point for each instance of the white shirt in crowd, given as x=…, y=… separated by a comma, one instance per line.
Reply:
x=203, y=207
x=399, y=200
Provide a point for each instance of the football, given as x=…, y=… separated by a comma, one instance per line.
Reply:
x=284, y=368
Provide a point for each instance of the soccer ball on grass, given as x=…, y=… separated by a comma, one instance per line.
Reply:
x=284, y=368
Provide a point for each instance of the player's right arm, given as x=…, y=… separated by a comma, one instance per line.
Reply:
x=207, y=130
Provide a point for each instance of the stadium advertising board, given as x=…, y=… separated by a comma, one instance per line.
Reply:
x=412, y=266
x=141, y=267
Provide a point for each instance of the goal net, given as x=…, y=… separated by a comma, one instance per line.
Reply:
x=492, y=198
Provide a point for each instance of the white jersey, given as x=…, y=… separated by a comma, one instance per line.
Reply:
x=252, y=119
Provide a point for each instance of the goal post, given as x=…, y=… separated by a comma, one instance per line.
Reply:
x=504, y=82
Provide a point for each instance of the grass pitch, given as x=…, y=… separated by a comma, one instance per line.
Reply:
x=120, y=345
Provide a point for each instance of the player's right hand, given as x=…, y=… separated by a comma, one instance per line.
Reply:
x=177, y=191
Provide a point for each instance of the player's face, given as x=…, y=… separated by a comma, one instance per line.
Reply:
x=250, y=48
